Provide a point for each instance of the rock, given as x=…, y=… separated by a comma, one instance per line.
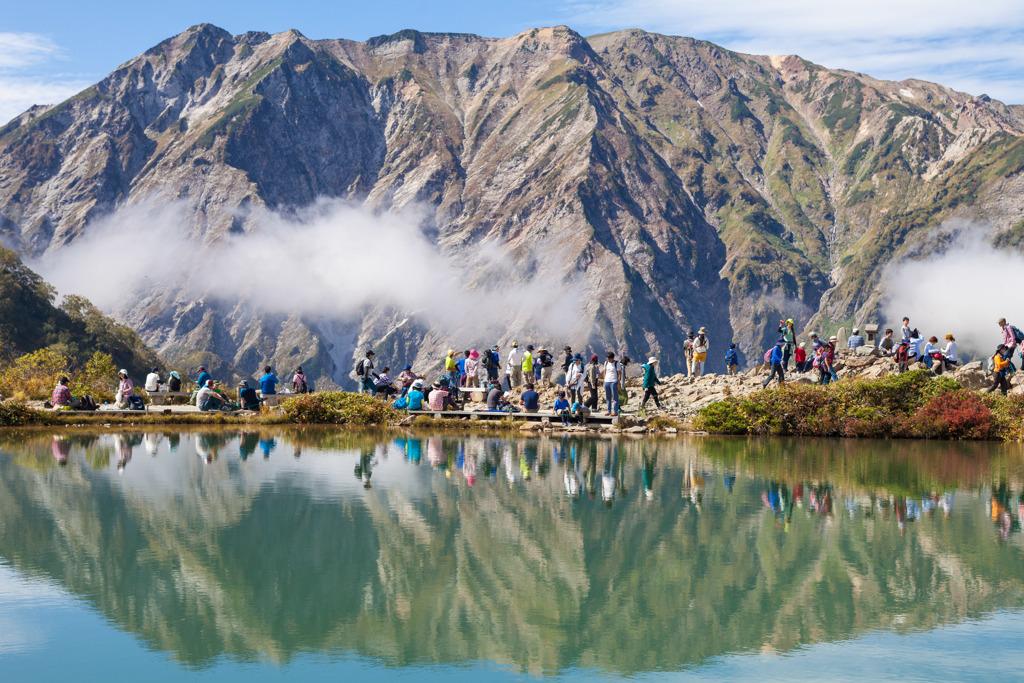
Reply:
x=531, y=427
x=867, y=351
x=635, y=430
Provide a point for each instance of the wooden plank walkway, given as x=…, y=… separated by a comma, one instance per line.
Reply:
x=542, y=416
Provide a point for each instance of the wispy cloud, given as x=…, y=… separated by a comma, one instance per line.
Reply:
x=25, y=79
x=975, y=47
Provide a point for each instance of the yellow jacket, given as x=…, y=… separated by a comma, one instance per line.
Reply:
x=527, y=362
x=449, y=364
x=999, y=362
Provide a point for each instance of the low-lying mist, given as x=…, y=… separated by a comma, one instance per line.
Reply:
x=332, y=260
x=963, y=290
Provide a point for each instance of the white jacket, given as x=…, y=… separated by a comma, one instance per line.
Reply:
x=574, y=377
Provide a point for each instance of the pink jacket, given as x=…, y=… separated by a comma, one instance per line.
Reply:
x=1008, y=338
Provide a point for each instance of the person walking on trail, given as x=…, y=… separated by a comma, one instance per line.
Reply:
x=855, y=341
x=688, y=353
x=591, y=381
x=364, y=374
x=799, y=358
x=700, y=351
x=901, y=356
x=515, y=365
x=574, y=379
x=732, y=360
x=787, y=328
x=612, y=375
x=125, y=389
x=830, y=353
x=776, y=359
x=651, y=383
x=1010, y=336
x=1001, y=370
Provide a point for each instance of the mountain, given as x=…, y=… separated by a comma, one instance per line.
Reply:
x=667, y=181
x=29, y=321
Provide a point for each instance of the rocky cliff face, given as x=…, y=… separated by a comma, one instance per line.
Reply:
x=670, y=182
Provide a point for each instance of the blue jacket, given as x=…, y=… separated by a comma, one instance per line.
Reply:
x=731, y=358
x=204, y=376
x=777, y=353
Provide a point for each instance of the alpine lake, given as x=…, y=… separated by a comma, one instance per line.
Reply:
x=297, y=554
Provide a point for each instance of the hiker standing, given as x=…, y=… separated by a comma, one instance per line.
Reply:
x=800, y=358
x=1001, y=370
x=492, y=363
x=732, y=361
x=651, y=383
x=364, y=374
x=1010, y=336
x=776, y=359
x=451, y=369
x=515, y=366
x=574, y=379
x=472, y=367
x=700, y=351
x=569, y=358
x=787, y=328
x=547, y=366
x=906, y=332
x=592, y=378
x=688, y=353
x=612, y=375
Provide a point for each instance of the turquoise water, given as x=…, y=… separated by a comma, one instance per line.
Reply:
x=308, y=554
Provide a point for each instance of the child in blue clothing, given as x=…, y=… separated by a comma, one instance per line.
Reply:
x=732, y=360
x=580, y=412
x=562, y=408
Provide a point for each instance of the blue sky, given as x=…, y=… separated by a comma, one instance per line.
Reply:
x=52, y=48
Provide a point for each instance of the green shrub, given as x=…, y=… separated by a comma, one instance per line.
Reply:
x=17, y=414
x=339, y=407
x=723, y=417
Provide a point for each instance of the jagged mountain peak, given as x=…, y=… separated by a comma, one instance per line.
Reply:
x=674, y=182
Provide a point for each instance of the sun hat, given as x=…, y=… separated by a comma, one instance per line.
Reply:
x=417, y=384
x=833, y=338
x=407, y=367
x=474, y=354
x=122, y=371
x=789, y=320
x=444, y=381
x=593, y=358
x=515, y=345
x=949, y=336
x=578, y=357
x=243, y=383
x=494, y=347
x=652, y=360
x=451, y=352
x=702, y=330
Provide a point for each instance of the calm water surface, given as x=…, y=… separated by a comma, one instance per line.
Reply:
x=307, y=554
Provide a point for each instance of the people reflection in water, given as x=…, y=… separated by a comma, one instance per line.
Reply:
x=693, y=486
x=590, y=474
x=469, y=468
x=571, y=470
x=247, y=443
x=61, y=449
x=609, y=474
x=648, y=463
x=173, y=441
x=364, y=468
x=151, y=442
x=267, y=445
x=124, y=451
x=435, y=453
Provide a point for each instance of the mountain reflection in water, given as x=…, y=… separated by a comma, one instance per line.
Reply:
x=544, y=554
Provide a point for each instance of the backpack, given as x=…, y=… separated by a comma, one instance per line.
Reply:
x=359, y=366
x=1018, y=336
x=136, y=403
x=768, y=357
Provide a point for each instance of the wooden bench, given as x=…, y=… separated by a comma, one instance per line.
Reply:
x=159, y=398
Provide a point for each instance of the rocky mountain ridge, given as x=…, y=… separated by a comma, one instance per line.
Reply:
x=669, y=182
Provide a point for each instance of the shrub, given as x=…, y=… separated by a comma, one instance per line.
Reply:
x=338, y=407
x=98, y=379
x=17, y=414
x=723, y=417
x=34, y=374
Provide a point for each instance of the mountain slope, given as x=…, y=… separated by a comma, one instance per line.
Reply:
x=666, y=181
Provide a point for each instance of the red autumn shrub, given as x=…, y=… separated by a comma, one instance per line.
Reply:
x=954, y=414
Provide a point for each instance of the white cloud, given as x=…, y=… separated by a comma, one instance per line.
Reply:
x=24, y=80
x=973, y=46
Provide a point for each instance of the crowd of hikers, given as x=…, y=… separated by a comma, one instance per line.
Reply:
x=581, y=382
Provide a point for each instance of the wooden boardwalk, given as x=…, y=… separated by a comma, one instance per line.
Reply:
x=541, y=416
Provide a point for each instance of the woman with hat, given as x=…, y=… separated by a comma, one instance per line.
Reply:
x=546, y=363
x=651, y=383
x=472, y=367
x=125, y=388
x=406, y=378
x=700, y=351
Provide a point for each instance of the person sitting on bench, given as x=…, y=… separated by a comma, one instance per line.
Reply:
x=247, y=397
x=207, y=399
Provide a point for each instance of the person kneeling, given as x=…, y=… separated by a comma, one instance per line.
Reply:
x=562, y=409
